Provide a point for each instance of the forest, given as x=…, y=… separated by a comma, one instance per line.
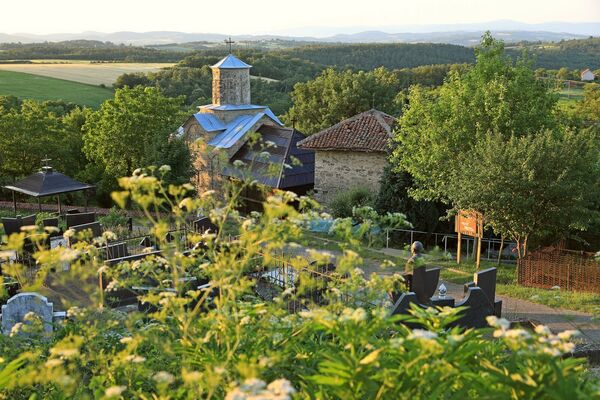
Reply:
x=573, y=54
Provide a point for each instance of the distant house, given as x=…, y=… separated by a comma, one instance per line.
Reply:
x=352, y=153
x=587, y=75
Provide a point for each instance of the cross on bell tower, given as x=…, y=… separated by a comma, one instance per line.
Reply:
x=229, y=42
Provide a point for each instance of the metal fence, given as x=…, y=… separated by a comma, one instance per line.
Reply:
x=569, y=270
x=491, y=248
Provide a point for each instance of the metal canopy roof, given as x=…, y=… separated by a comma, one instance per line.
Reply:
x=231, y=62
x=47, y=183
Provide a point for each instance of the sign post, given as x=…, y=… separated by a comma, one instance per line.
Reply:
x=469, y=223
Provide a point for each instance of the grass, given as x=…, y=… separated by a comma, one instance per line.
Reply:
x=507, y=285
x=460, y=274
x=43, y=88
x=83, y=71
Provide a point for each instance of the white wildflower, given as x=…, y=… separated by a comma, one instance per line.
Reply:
x=68, y=255
x=421, y=334
x=543, y=330
x=135, y=359
x=164, y=377
x=568, y=334
x=517, y=334
x=16, y=329
x=281, y=387
x=109, y=235
x=496, y=322
x=164, y=169
x=112, y=285
x=253, y=385
x=114, y=391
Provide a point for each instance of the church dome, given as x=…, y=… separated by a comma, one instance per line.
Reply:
x=231, y=62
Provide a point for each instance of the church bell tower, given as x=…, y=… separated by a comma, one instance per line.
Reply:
x=231, y=82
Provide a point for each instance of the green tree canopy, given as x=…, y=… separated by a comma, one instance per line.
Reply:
x=133, y=130
x=490, y=140
x=441, y=126
x=32, y=130
x=334, y=96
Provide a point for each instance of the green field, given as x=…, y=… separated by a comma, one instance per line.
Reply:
x=28, y=86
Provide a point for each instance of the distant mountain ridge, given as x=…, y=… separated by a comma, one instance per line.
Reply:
x=461, y=34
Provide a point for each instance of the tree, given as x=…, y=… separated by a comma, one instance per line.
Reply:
x=489, y=141
x=441, y=126
x=589, y=107
x=135, y=130
x=334, y=96
x=31, y=131
x=538, y=185
x=394, y=197
x=563, y=73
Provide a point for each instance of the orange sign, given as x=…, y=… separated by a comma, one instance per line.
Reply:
x=469, y=223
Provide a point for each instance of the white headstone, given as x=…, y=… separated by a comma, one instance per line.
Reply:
x=18, y=306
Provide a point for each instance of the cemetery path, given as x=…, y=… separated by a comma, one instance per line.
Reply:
x=556, y=319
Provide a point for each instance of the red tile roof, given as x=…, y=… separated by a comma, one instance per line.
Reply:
x=367, y=131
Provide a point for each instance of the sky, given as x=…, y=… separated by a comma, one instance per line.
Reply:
x=303, y=17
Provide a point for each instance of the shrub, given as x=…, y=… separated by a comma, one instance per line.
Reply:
x=342, y=204
x=117, y=220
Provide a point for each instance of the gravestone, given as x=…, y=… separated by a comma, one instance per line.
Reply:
x=486, y=280
x=478, y=309
x=94, y=227
x=20, y=305
x=80, y=219
x=424, y=283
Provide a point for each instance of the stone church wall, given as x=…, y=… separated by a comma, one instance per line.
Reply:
x=338, y=171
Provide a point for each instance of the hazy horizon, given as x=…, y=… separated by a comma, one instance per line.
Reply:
x=308, y=18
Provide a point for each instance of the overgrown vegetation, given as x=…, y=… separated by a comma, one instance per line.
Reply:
x=349, y=348
x=343, y=203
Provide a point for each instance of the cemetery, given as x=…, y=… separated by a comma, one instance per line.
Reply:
x=213, y=285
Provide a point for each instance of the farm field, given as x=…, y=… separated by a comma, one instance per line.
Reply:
x=28, y=86
x=83, y=71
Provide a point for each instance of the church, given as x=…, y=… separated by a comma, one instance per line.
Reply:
x=233, y=129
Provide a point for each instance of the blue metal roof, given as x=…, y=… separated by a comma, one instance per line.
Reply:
x=231, y=107
x=271, y=115
x=238, y=107
x=231, y=62
x=236, y=129
x=210, y=122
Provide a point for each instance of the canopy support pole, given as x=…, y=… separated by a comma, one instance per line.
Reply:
x=14, y=202
x=59, y=208
x=39, y=205
x=85, y=195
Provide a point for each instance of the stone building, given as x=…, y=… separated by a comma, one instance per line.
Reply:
x=350, y=154
x=220, y=133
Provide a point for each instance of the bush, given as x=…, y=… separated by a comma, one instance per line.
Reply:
x=116, y=220
x=342, y=204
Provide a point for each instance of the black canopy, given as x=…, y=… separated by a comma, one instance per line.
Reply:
x=47, y=183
